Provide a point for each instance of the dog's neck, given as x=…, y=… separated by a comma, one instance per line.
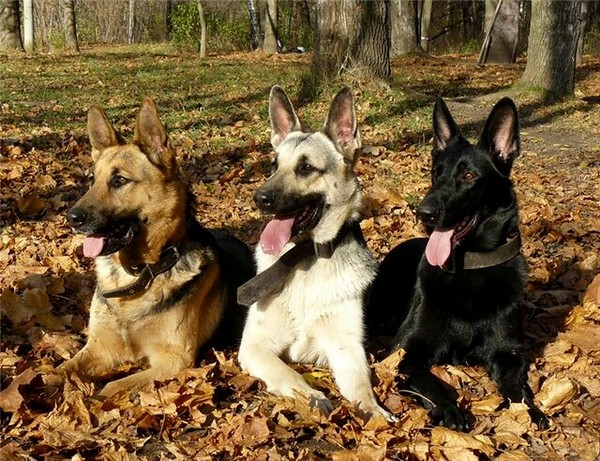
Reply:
x=272, y=279
x=482, y=259
x=146, y=274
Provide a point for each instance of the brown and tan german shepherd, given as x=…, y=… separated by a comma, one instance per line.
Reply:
x=165, y=285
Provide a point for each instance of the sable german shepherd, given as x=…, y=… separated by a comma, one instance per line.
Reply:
x=454, y=297
x=314, y=266
x=165, y=285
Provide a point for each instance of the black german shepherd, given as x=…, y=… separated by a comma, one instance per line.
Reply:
x=454, y=298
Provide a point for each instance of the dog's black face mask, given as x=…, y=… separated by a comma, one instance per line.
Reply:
x=293, y=216
x=103, y=236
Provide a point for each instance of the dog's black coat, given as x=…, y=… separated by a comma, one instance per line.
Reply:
x=446, y=313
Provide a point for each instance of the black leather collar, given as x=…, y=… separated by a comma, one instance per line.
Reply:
x=481, y=260
x=271, y=280
x=147, y=274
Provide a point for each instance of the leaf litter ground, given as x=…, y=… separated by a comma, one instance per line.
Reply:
x=216, y=111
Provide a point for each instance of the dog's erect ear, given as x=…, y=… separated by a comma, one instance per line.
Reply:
x=500, y=136
x=101, y=132
x=282, y=115
x=151, y=136
x=444, y=127
x=341, y=126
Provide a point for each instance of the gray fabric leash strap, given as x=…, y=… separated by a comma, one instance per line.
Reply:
x=272, y=279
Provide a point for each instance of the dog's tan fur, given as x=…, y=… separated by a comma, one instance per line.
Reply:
x=132, y=328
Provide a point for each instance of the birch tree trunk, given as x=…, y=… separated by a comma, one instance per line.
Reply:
x=28, y=25
x=425, y=23
x=202, y=29
x=130, y=21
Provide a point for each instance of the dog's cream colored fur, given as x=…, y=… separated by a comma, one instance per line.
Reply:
x=318, y=315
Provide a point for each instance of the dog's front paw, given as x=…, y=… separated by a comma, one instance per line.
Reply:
x=375, y=411
x=539, y=418
x=111, y=389
x=450, y=416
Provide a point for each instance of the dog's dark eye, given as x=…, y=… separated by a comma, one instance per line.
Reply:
x=90, y=176
x=469, y=176
x=273, y=165
x=306, y=169
x=118, y=181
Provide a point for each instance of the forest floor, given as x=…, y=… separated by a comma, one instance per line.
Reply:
x=216, y=112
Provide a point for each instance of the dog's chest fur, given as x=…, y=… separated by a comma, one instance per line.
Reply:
x=155, y=299
x=318, y=291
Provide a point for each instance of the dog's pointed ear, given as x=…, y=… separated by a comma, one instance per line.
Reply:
x=282, y=116
x=100, y=131
x=444, y=126
x=500, y=135
x=151, y=136
x=341, y=125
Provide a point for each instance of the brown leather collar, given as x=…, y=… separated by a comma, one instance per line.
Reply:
x=483, y=259
x=147, y=274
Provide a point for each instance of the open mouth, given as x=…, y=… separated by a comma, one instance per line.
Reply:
x=443, y=241
x=105, y=243
x=283, y=228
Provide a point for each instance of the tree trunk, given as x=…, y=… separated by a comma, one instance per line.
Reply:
x=70, y=25
x=130, y=21
x=404, y=39
x=168, y=17
x=552, y=47
x=202, y=29
x=425, y=23
x=490, y=13
x=10, y=30
x=502, y=37
x=28, y=25
x=352, y=36
x=584, y=13
x=268, y=25
x=254, y=24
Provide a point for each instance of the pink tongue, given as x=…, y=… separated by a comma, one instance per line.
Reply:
x=439, y=247
x=92, y=246
x=276, y=234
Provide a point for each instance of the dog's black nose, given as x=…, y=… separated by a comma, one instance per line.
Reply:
x=427, y=213
x=77, y=217
x=264, y=200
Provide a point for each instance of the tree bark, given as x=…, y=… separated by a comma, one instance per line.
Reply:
x=552, y=47
x=70, y=25
x=130, y=21
x=404, y=39
x=502, y=37
x=352, y=36
x=28, y=25
x=254, y=18
x=425, y=23
x=583, y=14
x=10, y=30
x=202, y=29
x=268, y=26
